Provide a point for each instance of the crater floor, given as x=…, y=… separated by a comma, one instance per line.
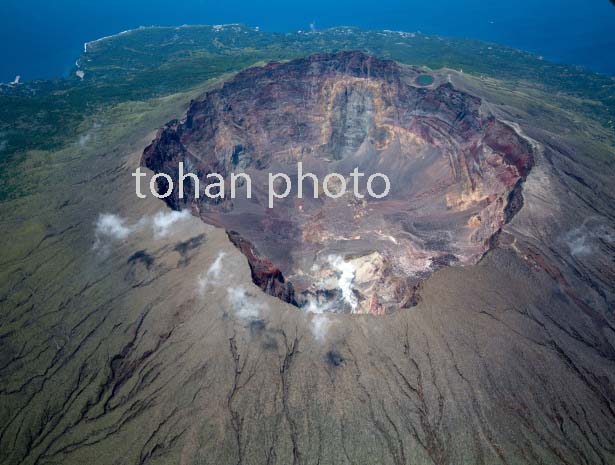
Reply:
x=455, y=173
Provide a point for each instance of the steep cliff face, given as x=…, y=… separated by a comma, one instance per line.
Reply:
x=264, y=273
x=456, y=176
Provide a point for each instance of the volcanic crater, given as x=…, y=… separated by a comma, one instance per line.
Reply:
x=456, y=176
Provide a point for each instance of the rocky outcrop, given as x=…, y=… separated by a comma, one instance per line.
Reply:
x=264, y=273
x=456, y=173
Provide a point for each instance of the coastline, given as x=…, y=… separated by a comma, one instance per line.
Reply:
x=74, y=65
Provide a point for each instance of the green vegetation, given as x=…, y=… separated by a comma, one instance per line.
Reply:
x=152, y=62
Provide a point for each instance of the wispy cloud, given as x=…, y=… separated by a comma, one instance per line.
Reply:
x=212, y=275
x=110, y=227
x=164, y=221
x=578, y=242
x=243, y=304
x=585, y=239
x=320, y=325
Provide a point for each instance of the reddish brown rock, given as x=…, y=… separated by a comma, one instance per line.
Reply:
x=264, y=273
x=456, y=175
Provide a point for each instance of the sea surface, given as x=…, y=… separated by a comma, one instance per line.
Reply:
x=42, y=39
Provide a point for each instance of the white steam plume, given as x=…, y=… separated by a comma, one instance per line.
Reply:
x=320, y=326
x=244, y=305
x=164, y=221
x=212, y=275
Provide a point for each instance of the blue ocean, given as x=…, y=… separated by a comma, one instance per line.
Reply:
x=41, y=39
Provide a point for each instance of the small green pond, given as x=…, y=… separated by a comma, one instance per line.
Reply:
x=425, y=80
